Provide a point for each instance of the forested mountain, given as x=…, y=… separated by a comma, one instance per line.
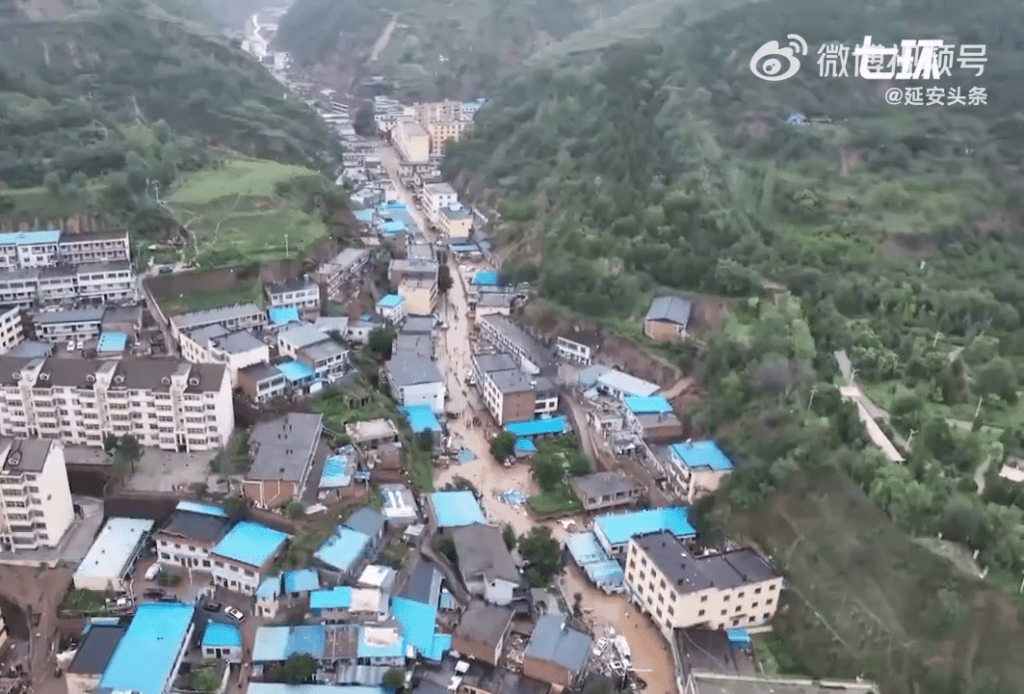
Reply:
x=75, y=90
x=437, y=49
x=664, y=164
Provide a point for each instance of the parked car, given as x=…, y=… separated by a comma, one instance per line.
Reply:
x=166, y=269
x=211, y=606
x=234, y=613
x=155, y=593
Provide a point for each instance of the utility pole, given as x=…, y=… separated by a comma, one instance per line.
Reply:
x=978, y=410
x=286, y=245
x=814, y=390
x=936, y=340
x=911, y=437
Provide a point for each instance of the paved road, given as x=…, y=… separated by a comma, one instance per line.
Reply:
x=384, y=38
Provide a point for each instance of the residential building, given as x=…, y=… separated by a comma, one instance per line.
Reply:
x=328, y=359
x=371, y=523
x=108, y=564
x=237, y=317
x=67, y=325
x=94, y=247
x=412, y=142
x=29, y=249
x=652, y=419
x=392, y=308
x=149, y=654
x=21, y=287
x=578, y=346
x=545, y=396
x=606, y=490
x=372, y=434
x=342, y=552
x=492, y=362
x=12, y=330
x=556, y=653
x=95, y=651
x=110, y=281
x=123, y=319
x=678, y=590
x=420, y=325
x=358, y=331
x=486, y=565
x=481, y=632
x=455, y=222
x=342, y=268
x=35, y=497
x=508, y=396
x=282, y=453
x=302, y=294
x=222, y=642
x=413, y=345
x=620, y=385
x=416, y=381
x=505, y=334
x=262, y=382
x=433, y=111
x=667, y=319
x=419, y=295
x=165, y=403
x=476, y=677
x=420, y=263
x=613, y=531
x=455, y=509
x=490, y=303
x=399, y=504
x=190, y=534
x=244, y=555
x=296, y=337
x=441, y=132
x=216, y=344
x=436, y=197
x=697, y=469
x=331, y=605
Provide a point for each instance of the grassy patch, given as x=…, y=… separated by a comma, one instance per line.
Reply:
x=40, y=202
x=247, y=209
x=559, y=501
x=245, y=291
x=85, y=602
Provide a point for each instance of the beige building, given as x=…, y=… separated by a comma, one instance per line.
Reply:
x=481, y=632
x=678, y=590
x=603, y=490
x=419, y=295
x=412, y=142
x=173, y=405
x=667, y=319
x=444, y=131
x=455, y=222
x=35, y=497
x=696, y=469
x=12, y=331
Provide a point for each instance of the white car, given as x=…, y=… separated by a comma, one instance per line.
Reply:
x=71, y=346
x=234, y=613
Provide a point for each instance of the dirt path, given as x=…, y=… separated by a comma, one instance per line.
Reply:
x=676, y=389
x=384, y=38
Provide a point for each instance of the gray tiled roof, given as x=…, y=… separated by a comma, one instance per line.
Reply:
x=413, y=370
x=688, y=573
x=284, y=447
x=24, y=455
x=670, y=308
x=367, y=521
x=75, y=315
x=554, y=641
x=302, y=335
x=605, y=483
x=511, y=381
x=185, y=321
x=482, y=551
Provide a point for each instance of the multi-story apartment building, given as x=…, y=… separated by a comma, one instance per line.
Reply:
x=412, y=142
x=216, y=344
x=236, y=317
x=12, y=330
x=67, y=325
x=502, y=332
x=456, y=222
x=342, y=268
x=678, y=590
x=436, y=197
x=578, y=346
x=262, y=382
x=29, y=249
x=94, y=247
x=696, y=469
x=302, y=294
x=442, y=132
x=419, y=295
x=113, y=281
x=165, y=403
x=508, y=395
x=35, y=498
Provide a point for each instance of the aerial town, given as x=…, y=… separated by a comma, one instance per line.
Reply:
x=376, y=477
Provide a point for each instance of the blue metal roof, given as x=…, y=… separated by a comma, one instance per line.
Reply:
x=301, y=581
x=337, y=472
x=364, y=215
x=738, y=638
x=421, y=418
x=648, y=405
x=112, y=342
x=585, y=549
x=701, y=454
x=393, y=227
x=342, y=551
x=277, y=643
x=277, y=688
x=364, y=649
x=617, y=528
x=250, y=543
x=605, y=573
x=29, y=238
x=537, y=427
x=524, y=446
x=220, y=635
x=205, y=509
x=390, y=301
x=464, y=247
x=155, y=637
x=270, y=589
x=455, y=509
x=337, y=597
x=419, y=628
x=486, y=277
x=296, y=371
x=283, y=315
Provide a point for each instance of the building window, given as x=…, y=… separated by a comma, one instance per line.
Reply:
x=723, y=613
x=703, y=598
x=726, y=597
x=757, y=591
x=769, y=601
x=701, y=613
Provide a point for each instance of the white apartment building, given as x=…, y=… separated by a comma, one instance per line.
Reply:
x=436, y=197
x=40, y=249
x=29, y=249
x=343, y=267
x=505, y=334
x=678, y=590
x=302, y=294
x=94, y=247
x=173, y=405
x=35, y=498
x=236, y=317
x=297, y=337
x=114, y=281
x=416, y=380
x=12, y=332
x=578, y=346
x=218, y=345
x=412, y=142
x=67, y=325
